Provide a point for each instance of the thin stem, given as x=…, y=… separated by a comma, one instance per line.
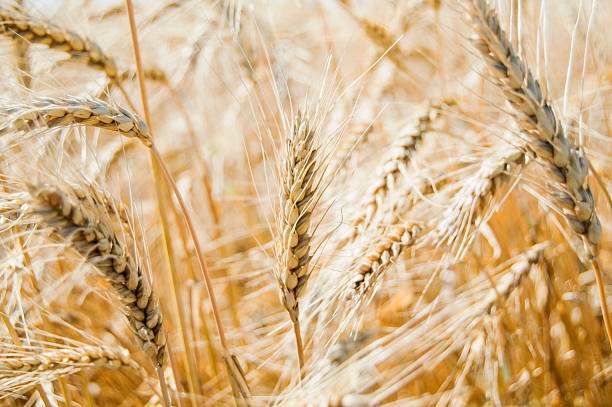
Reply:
x=157, y=159
x=86, y=392
x=145, y=106
x=65, y=392
x=192, y=379
x=198, y=249
x=298, y=345
x=214, y=210
x=140, y=71
x=234, y=377
x=162, y=384
x=602, y=299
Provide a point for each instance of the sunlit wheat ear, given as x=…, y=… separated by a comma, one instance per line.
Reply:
x=381, y=256
x=567, y=164
x=23, y=367
x=22, y=360
x=379, y=35
x=391, y=169
x=542, y=126
x=101, y=201
x=513, y=279
x=469, y=204
x=89, y=235
x=20, y=25
x=68, y=111
x=299, y=178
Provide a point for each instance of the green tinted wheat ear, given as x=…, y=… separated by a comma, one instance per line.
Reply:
x=538, y=120
x=91, y=237
x=68, y=111
x=298, y=196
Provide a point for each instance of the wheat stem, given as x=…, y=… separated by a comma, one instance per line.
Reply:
x=298, y=344
x=602, y=298
x=191, y=368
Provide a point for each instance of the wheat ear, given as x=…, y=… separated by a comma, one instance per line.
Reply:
x=568, y=165
x=396, y=162
x=298, y=197
x=26, y=27
x=382, y=255
x=17, y=362
x=68, y=111
x=92, y=238
x=537, y=118
x=469, y=204
x=390, y=170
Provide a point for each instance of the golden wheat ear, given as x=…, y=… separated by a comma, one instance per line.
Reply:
x=88, y=233
x=537, y=118
x=299, y=177
x=546, y=135
x=72, y=111
x=22, y=26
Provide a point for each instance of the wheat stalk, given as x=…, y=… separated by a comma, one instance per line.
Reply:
x=69, y=111
x=90, y=236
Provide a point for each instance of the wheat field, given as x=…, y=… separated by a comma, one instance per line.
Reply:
x=333, y=203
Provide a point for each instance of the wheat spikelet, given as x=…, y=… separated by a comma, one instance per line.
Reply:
x=382, y=255
x=151, y=73
x=518, y=271
x=68, y=111
x=91, y=237
x=396, y=162
x=537, y=118
x=23, y=368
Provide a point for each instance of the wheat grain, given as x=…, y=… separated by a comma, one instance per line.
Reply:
x=91, y=237
x=69, y=111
